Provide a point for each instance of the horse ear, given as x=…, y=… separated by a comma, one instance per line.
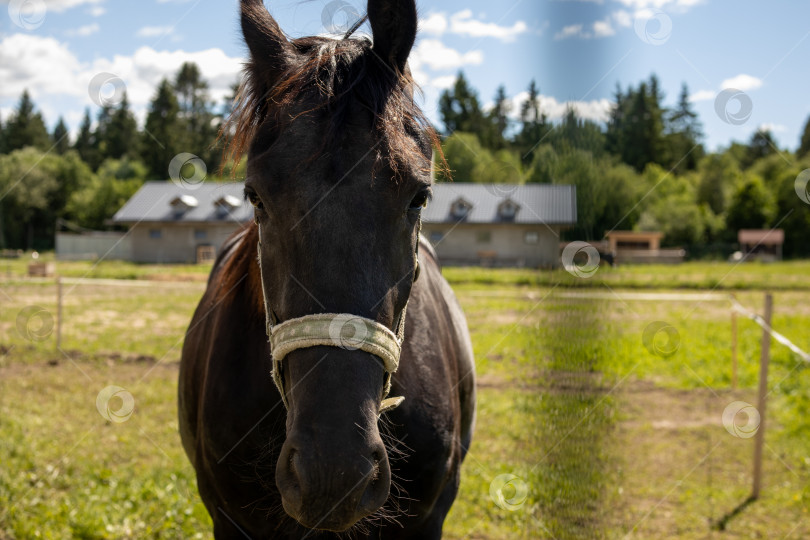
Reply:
x=270, y=51
x=393, y=26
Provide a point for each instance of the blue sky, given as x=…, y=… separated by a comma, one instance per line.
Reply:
x=576, y=50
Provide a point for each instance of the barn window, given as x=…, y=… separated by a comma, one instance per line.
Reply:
x=507, y=210
x=531, y=237
x=200, y=234
x=436, y=237
x=155, y=233
x=460, y=209
x=483, y=237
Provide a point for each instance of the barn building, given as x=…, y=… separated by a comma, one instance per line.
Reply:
x=468, y=224
x=499, y=224
x=170, y=223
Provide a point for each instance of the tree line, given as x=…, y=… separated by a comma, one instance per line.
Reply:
x=646, y=168
x=45, y=178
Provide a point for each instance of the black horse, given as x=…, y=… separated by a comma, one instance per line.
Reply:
x=339, y=161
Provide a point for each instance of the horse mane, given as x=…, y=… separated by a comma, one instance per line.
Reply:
x=237, y=263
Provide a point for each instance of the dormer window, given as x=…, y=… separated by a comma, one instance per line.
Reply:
x=226, y=204
x=507, y=210
x=460, y=209
x=183, y=204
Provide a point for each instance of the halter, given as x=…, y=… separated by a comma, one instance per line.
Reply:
x=343, y=330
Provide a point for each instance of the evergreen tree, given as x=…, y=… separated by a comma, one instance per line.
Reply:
x=576, y=133
x=198, y=121
x=121, y=132
x=636, y=126
x=615, y=128
x=85, y=143
x=804, y=144
x=760, y=146
x=684, y=133
x=159, y=143
x=534, y=125
x=26, y=127
x=59, y=137
x=460, y=109
x=499, y=120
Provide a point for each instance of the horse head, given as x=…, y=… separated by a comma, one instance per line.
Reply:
x=338, y=170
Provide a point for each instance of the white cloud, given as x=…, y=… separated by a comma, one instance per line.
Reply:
x=623, y=18
x=97, y=11
x=742, y=82
x=702, y=95
x=463, y=23
x=603, y=29
x=83, y=31
x=597, y=110
x=153, y=31
x=573, y=30
x=436, y=55
x=773, y=128
x=23, y=55
x=435, y=23
x=21, y=59
x=444, y=82
x=671, y=5
x=59, y=6
x=598, y=29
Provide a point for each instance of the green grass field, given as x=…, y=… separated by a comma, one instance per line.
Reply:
x=602, y=432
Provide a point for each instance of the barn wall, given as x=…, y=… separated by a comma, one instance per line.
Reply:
x=465, y=244
x=96, y=245
x=178, y=242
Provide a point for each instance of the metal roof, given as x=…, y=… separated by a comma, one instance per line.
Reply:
x=153, y=202
x=761, y=236
x=537, y=203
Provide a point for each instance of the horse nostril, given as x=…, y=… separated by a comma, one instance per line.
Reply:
x=291, y=460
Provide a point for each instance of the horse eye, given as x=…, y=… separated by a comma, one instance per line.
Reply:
x=254, y=199
x=420, y=201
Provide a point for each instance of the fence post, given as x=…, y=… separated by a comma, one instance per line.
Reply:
x=733, y=348
x=58, y=312
x=759, y=439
